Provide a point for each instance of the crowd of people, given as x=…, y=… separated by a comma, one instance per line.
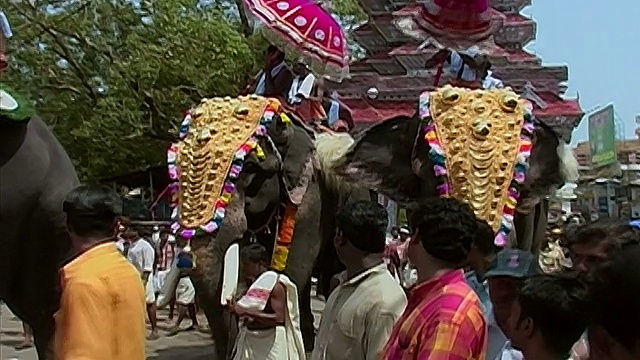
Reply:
x=470, y=299
x=503, y=307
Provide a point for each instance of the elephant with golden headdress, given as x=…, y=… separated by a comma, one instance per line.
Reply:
x=481, y=146
x=246, y=171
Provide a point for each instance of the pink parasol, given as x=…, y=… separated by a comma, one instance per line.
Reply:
x=454, y=24
x=306, y=29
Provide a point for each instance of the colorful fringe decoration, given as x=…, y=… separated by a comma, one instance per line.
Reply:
x=285, y=236
x=229, y=187
x=438, y=157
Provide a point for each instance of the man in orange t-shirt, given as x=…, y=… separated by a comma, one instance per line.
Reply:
x=102, y=308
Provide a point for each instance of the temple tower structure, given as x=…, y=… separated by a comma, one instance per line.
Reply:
x=388, y=81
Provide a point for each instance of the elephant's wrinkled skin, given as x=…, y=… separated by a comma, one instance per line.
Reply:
x=393, y=159
x=260, y=190
x=36, y=174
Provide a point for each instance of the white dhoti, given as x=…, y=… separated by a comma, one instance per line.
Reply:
x=185, y=291
x=169, y=286
x=159, y=279
x=282, y=342
x=267, y=344
x=150, y=290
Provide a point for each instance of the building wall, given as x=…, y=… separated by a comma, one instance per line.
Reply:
x=628, y=152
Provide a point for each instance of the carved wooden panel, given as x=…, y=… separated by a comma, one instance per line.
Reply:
x=376, y=7
x=518, y=34
x=369, y=38
x=510, y=6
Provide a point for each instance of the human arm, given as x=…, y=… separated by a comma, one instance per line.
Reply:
x=378, y=328
x=278, y=303
x=148, y=262
x=440, y=57
x=448, y=340
x=82, y=307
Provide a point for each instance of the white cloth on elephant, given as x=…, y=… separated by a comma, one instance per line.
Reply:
x=278, y=343
x=185, y=291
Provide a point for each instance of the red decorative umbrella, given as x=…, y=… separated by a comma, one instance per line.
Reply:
x=453, y=24
x=306, y=29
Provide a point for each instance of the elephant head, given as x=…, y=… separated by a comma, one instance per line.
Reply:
x=476, y=139
x=242, y=154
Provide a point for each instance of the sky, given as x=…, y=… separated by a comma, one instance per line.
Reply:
x=600, y=41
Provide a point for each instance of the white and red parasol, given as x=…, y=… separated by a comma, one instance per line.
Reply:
x=306, y=29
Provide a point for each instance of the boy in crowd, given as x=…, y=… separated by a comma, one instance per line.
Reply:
x=504, y=275
x=548, y=316
x=142, y=255
x=482, y=253
x=185, y=296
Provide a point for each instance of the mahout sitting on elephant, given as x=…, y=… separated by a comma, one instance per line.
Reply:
x=245, y=171
x=483, y=146
x=36, y=175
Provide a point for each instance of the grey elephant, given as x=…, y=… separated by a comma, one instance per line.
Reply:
x=36, y=175
x=480, y=146
x=281, y=166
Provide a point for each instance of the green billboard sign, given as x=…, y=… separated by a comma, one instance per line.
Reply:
x=602, y=137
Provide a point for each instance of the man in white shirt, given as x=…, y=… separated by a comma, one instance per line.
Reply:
x=305, y=94
x=360, y=313
x=142, y=255
x=468, y=68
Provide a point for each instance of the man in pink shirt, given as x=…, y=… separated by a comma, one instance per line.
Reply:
x=443, y=319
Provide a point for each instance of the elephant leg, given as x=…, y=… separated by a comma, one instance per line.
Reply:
x=306, y=317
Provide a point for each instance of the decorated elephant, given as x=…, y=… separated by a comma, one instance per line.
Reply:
x=482, y=146
x=245, y=172
x=36, y=175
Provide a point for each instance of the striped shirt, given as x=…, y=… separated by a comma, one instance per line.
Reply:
x=165, y=255
x=443, y=321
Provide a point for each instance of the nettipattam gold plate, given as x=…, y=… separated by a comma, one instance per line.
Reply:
x=479, y=131
x=219, y=127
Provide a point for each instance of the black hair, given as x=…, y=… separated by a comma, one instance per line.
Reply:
x=556, y=305
x=446, y=228
x=364, y=224
x=254, y=253
x=614, y=294
x=274, y=49
x=617, y=233
x=92, y=210
x=484, y=239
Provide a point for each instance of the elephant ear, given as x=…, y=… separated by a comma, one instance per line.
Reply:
x=545, y=163
x=382, y=160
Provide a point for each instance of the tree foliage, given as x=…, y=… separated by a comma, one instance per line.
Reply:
x=112, y=77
